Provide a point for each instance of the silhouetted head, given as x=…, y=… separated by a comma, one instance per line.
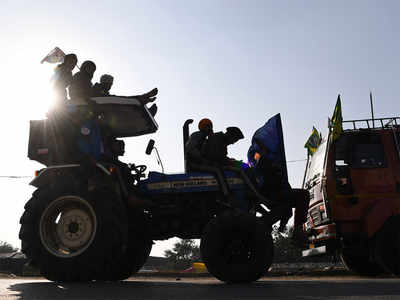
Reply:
x=233, y=134
x=205, y=125
x=70, y=61
x=88, y=67
x=106, y=81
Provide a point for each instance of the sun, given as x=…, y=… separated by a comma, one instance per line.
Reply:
x=33, y=98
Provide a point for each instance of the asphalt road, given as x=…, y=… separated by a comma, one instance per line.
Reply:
x=206, y=288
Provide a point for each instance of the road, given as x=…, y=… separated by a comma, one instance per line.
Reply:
x=305, y=288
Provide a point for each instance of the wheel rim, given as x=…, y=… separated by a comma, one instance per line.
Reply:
x=68, y=226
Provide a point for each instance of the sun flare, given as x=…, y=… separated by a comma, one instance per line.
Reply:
x=34, y=99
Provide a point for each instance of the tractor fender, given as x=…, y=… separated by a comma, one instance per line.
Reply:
x=379, y=213
x=46, y=175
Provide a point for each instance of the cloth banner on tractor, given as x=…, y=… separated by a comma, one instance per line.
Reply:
x=271, y=135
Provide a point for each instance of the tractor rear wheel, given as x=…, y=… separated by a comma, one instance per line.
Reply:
x=70, y=232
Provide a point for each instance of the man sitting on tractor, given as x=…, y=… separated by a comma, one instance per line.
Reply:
x=196, y=161
x=102, y=89
x=215, y=150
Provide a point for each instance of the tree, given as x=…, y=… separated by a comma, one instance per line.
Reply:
x=6, y=247
x=182, y=255
x=285, y=250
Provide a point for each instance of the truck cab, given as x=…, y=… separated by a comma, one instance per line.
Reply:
x=354, y=187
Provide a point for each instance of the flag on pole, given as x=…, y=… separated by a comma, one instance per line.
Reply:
x=55, y=56
x=336, y=121
x=313, y=141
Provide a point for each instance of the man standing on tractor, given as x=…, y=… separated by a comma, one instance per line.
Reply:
x=63, y=77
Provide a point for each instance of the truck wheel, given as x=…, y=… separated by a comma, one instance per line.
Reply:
x=138, y=251
x=387, y=246
x=70, y=233
x=360, y=264
x=236, y=248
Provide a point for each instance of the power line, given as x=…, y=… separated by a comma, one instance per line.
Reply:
x=296, y=160
x=14, y=176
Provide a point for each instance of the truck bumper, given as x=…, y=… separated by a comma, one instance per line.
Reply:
x=324, y=236
x=314, y=251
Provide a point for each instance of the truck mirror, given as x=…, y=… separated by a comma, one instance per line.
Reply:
x=150, y=147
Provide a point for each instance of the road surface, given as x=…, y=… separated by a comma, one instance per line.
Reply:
x=305, y=288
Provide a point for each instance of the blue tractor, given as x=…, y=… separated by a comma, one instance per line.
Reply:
x=82, y=225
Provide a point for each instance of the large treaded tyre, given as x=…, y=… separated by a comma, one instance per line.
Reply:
x=70, y=233
x=387, y=246
x=138, y=251
x=237, y=248
x=360, y=264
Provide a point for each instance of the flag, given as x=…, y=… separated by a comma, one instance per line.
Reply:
x=55, y=56
x=271, y=136
x=313, y=141
x=336, y=121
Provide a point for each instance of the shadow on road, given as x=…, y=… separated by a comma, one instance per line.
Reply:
x=365, y=289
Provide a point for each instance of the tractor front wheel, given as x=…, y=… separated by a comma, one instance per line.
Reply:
x=237, y=248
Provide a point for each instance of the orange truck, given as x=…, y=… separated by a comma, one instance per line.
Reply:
x=354, y=186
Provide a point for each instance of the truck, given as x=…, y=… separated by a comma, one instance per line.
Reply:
x=80, y=226
x=354, y=186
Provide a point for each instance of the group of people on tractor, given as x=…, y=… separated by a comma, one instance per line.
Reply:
x=207, y=151
x=204, y=151
x=83, y=134
x=85, y=126
x=80, y=86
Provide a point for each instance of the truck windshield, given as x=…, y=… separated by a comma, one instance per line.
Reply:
x=361, y=150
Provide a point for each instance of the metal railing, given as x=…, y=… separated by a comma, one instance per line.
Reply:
x=370, y=123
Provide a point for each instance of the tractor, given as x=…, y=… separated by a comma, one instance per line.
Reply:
x=80, y=226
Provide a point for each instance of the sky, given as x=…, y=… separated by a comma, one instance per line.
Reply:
x=235, y=62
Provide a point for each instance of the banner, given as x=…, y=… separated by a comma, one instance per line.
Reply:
x=271, y=135
x=55, y=56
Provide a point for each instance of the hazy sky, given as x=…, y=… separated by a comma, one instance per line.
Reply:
x=236, y=62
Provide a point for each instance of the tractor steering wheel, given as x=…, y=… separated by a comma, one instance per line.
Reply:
x=140, y=169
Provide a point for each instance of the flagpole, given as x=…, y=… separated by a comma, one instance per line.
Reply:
x=305, y=172
x=372, y=110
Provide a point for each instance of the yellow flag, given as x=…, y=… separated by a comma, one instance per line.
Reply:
x=336, y=121
x=313, y=141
